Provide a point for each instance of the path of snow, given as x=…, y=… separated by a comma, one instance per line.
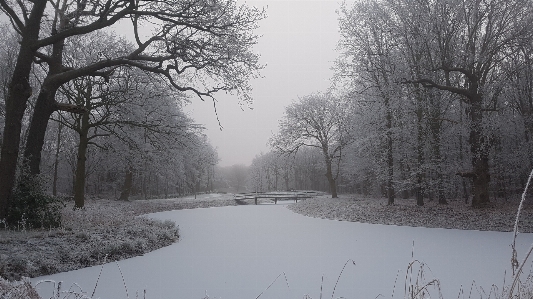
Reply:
x=237, y=252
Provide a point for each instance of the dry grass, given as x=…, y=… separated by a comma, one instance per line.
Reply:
x=17, y=290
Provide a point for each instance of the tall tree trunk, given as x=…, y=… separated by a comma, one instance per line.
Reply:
x=79, y=184
x=331, y=180
x=45, y=104
x=436, y=128
x=286, y=178
x=44, y=107
x=128, y=183
x=56, y=160
x=461, y=153
x=19, y=91
x=419, y=149
x=390, y=157
x=480, y=156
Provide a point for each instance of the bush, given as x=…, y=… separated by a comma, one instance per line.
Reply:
x=31, y=207
x=17, y=290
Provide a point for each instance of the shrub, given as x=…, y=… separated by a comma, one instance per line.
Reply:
x=31, y=207
x=16, y=290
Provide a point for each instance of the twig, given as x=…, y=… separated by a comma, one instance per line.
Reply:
x=274, y=282
x=340, y=274
x=123, y=280
x=321, y=286
x=99, y=275
x=514, y=261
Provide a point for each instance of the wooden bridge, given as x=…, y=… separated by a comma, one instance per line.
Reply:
x=275, y=196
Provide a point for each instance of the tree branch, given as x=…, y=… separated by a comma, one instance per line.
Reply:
x=70, y=108
x=12, y=15
x=427, y=83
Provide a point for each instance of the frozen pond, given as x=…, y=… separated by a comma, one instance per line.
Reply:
x=237, y=252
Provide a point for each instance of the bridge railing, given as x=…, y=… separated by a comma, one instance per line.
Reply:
x=279, y=195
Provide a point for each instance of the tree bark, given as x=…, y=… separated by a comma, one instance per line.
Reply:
x=44, y=107
x=390, y=157
x=19, y=91
x=56, y=160
x=329, y=176
x=79, y=183
x=128, y=182
x=436, y=128
x=480, y=156
x=419, y=149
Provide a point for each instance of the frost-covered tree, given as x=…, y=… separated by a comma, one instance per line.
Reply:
x=319, y=121
x=442, y=77
x=472, y=39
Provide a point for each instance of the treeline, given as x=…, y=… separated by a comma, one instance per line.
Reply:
x=440, y=98
x=275, y=171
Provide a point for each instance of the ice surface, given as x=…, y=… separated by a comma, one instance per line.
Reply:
x=237, y=252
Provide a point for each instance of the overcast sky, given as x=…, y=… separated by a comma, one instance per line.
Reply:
x=297, y=44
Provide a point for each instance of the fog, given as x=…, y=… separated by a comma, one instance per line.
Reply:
x=297, y=47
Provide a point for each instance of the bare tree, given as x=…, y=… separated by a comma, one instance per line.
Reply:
x=320, y=121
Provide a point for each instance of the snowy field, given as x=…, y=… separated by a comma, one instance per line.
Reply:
x=237, y=252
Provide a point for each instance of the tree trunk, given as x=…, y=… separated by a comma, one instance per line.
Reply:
x=461, y=153
x=128, y=182
x=437, y=156
x=480, y=156
x=79, y=184
x=419, y=149
x=390, y=158
x=56, y=160
x=44, y=107
x=331, y=180
x=19, y=91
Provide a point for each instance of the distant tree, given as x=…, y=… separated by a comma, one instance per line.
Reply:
x=199, y=159
x=320, y=121
x=237, y=175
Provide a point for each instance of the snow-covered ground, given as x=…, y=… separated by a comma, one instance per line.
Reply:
x=237, y=252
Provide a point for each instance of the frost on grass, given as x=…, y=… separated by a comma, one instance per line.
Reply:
x=17, y=290
x=498, y=216
x=103, y=229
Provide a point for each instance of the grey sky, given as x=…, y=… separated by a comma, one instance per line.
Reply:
x=297, y=44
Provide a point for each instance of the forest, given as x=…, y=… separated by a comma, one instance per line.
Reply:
x=93, y=94
x=431, y=100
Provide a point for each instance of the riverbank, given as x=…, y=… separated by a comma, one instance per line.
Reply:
x=497, y=216
x=104, y=231
x=108, y=230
